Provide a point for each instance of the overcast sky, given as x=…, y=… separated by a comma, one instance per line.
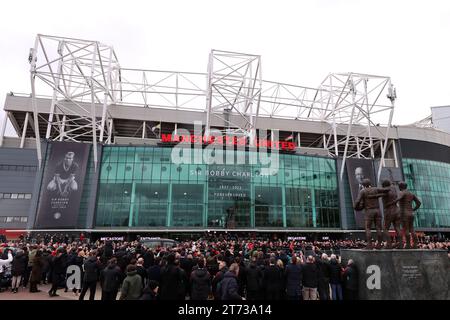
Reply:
x=300, y=41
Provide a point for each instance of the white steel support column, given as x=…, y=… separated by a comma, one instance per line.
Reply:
x=209, y=95
x=110, y=131
x=54, y=97
x=144, y=130
x=358, y=148
x=394, y=150
x=33, y=101
x=392, y=96
x=334, y=125
x=36, y=121
x=105, y=101
x=63, y=128
x=349, y=130
x=102, y=126
x=94, y=129
x=24, y=130
x=372, y=152
x=3, y=128
x=93, y=111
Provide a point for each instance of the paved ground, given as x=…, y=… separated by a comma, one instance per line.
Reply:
x=24, y=294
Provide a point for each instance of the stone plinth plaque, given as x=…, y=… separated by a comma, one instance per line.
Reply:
x=401, y=274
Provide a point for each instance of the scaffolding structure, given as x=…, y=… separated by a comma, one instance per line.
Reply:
x=81, y=74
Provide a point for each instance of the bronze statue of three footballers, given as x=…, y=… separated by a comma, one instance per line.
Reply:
x=393, y=214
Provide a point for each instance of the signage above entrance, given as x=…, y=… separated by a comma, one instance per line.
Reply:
x=228, y=140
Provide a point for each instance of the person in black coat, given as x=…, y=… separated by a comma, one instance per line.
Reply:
x=73, y=258
x=228, y=288
x=149, y=258
x=171, y=280
x=108, y=250
x=150, y=292
x=219, y=277
x=141, y=270
x=46, y=265
x=184, y=282
x=310, y=279
x=18, y=268
x=200, y=282
x=294, y=279
x=241, y=276
x=36, y=272
x=324, y=277
x=187, y=264
x=110, y=278
x=350, y=281
x=335, y=278
x=273, y=277
x=154, y=271
x=58, y=271
x=253, y=276
x=91, y=269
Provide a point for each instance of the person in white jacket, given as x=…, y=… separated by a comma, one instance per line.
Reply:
x=4, y=263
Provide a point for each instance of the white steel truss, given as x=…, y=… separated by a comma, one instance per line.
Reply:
x=359, y=102
x=424, y=123
x=82, y=74
x=234, y=87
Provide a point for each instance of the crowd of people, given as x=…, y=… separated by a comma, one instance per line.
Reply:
x=215, y=268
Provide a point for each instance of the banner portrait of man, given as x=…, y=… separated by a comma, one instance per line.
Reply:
x=64, y=179
x=62, y=185
x=357, y=171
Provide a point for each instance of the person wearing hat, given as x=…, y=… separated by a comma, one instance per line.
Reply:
x=132, y=285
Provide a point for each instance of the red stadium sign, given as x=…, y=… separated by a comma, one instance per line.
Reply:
x=227, y=140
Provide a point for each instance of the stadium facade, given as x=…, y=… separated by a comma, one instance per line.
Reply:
x=109, y=150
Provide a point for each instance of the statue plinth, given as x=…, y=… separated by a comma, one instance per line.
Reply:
x=401, y=274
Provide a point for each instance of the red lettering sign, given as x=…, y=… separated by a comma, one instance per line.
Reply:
x=229, y=140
